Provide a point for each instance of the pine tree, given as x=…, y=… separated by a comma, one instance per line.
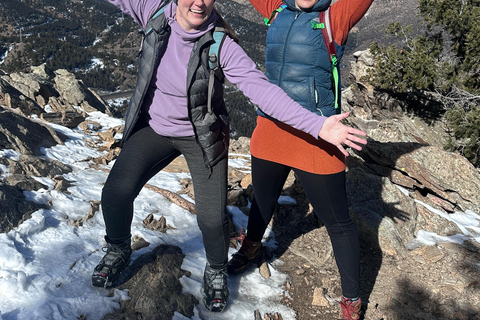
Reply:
x=444, y=63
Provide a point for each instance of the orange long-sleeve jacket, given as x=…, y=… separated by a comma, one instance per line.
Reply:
x=278, y=142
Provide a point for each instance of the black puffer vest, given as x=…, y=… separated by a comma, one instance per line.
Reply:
x=211, y=125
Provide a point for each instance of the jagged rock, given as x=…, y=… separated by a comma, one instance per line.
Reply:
x=156, y=225
x=14, y=208
x=236, y=197
x=240, y=145
x=319, y=298
x=69, y=119
x=139, y=243
x=36, y=86
x=378, y=110
x=57, y=105
x=13, y=98
x=76, y=93
x=246, y=181
x=235, y=176
x=187, y=187
x=264, y=269
x=94, y=207
x=107, y=135
x=444, y=174
x=40, y=71
x=154, y=288
x=93, y=126
x=273, y=316
x=39, y=167
x=23, y=135
x=23, y=182
x=61, y=184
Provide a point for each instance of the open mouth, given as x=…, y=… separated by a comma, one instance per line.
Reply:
x=197, y=11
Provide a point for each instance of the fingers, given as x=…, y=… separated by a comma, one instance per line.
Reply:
x=356, y=139
x=353, y=145
x=352, y=142
x=342, y=150
x=341, y=115
x=357, y=132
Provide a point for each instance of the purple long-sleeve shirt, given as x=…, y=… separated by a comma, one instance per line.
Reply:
x=167, y=91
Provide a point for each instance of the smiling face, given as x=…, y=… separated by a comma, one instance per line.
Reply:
x=191, y=14
x=305, y=4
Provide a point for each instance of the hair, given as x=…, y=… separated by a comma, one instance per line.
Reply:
x=228, y=29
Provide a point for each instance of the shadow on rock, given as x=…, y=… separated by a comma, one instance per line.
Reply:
x=154, y=287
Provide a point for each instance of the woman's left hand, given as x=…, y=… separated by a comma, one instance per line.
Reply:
x=338, y=134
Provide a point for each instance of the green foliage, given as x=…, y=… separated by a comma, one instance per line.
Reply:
x=461, y=20
x=444, y=63
x=242, y=113
x=414, y=67
x=466, y=130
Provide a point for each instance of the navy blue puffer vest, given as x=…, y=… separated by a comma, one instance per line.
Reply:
x=297, y=59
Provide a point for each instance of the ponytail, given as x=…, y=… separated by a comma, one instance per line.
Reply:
x=228, y=29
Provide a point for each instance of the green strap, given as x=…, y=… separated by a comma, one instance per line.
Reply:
x=316, y=24
x=335, y=78
x=324, y=25
x=268, y=21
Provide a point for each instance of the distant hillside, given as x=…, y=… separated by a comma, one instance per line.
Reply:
x=96, y=42
x=93, y=39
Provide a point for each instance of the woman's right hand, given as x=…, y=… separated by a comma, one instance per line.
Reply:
x=338, y=134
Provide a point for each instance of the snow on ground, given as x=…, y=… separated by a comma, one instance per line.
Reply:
x=46, y=263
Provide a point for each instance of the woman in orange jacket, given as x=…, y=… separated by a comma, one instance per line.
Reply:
x=297, y=60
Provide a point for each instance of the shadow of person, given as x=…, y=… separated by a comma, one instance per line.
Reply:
x=411, y=300
x=377, y=206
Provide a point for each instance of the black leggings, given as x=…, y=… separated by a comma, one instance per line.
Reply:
x=327, y=195
x=144, y=154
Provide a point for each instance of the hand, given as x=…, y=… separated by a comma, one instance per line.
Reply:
x=336, y=133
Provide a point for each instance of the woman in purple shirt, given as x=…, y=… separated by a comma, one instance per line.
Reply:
x=171, y=114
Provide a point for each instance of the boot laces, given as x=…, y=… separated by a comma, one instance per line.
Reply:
x=114, y=253
x=216, y=279
x=350, y=309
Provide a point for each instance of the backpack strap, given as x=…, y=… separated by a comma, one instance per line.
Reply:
x=152, y=25
x=324, y=19
x=219, y=35
x=268, y=21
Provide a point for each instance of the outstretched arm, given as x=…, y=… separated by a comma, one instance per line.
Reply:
x=139, y=10
x=338, y=134
x=240, y=70
x=266, y=7
x=345, y=15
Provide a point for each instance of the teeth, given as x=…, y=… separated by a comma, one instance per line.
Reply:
x=196, y=11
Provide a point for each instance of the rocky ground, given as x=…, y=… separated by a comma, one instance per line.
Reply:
x=400, y=290
x=437, y=282
x=401, y=171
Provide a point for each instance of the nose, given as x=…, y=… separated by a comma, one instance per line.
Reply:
x=199, y=3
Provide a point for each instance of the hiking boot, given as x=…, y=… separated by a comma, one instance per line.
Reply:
x=215, y=289
x=116, y=259
x=248, y=253
x=350, y=310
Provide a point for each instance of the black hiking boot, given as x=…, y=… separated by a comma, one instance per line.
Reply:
x=248, y=253
x=215, y=288
x=116, y=259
